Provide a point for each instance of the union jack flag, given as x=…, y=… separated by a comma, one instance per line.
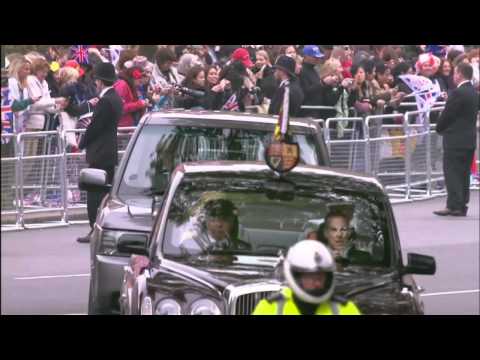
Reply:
x=231, y=104
x=80, y=53
x=7, y=113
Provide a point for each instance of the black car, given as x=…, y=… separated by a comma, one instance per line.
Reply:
x=161, y=142
x=223, y=228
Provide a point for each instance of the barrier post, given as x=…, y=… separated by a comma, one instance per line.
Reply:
x=366, y=131
x=21, y=220
x=18, y=181
x=406, y=129
x=63, y=174
x=429, y=157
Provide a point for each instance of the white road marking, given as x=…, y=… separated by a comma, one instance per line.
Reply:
x=76, y=314
x=51, y=277
x=453, y=292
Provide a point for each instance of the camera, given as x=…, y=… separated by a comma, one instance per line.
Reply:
x=187, y=91
x=256, y=93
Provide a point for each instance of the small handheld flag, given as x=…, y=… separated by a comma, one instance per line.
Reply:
x=425, y=91
x=79, y=53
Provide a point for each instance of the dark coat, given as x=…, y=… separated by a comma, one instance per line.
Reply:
x=311, y=85
x=457, y=121
x=100, y=139
x=296, y=99
x=268, y=83
x=78, y=94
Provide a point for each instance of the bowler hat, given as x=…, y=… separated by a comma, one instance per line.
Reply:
x=105, y=71
x=287, y=64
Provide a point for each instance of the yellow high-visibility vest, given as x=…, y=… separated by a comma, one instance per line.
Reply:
x=286, y=306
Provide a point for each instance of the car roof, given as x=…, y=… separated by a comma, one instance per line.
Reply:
x=236, y=167
x=157, y=116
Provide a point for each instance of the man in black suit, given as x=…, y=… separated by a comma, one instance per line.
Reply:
x=285, y=73
x=457, y=126
x=100, y=139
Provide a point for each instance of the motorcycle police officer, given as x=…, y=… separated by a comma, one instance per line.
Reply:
x=309, y=270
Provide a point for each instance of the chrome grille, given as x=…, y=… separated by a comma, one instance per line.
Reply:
x=246, y=303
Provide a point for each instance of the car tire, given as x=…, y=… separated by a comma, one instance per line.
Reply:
x=92, y=308
x=135, y=304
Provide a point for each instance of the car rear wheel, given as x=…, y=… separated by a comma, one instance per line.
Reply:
x=92, y=308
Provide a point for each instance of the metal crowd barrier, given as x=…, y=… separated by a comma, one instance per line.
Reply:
x=40, y=177
x=402, y=152
x=40, y=170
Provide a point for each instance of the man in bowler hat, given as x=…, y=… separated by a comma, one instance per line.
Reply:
x=100, y=139
x=285, y=74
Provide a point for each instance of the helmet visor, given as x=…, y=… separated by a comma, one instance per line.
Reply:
x=313, y=283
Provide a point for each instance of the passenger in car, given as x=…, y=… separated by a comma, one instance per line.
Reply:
x=336, y=233
x=222, y=225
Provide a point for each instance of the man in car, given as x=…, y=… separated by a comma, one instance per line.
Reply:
x=222, y=226
x=336, y=233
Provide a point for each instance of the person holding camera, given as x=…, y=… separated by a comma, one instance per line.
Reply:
x=192, y=92
x=334, y=91
x=235, y=90
x=263, y=72
x=164, y=78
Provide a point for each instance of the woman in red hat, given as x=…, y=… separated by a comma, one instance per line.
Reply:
x=126, y=87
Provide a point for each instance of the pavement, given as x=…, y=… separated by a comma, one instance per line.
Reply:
x=454, y=242
x=45, y=271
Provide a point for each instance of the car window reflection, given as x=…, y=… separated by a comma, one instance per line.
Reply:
x=241, y=219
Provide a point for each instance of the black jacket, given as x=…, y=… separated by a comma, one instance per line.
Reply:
x=268, y=83
x=78, y=94
x=311, y=85
x=296, y=99
x=100, y=139
x=457, y=121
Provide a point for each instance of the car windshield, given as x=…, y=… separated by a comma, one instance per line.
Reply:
x=160, y=148
x=228, y=215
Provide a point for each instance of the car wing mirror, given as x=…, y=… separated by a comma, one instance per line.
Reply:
x=93, y=180
x=420, y=264
x=133, y=244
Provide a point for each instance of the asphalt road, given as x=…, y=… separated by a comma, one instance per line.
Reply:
x=45, y=271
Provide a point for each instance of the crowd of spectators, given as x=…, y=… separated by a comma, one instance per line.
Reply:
x=56, y=89
x=225, y=77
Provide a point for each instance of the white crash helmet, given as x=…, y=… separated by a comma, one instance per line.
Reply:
x=309, y=256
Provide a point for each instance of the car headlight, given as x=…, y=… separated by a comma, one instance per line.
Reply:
x=204, y=306
x=168, y=307
x=146, y=307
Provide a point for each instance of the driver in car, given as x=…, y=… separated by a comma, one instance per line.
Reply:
x=222, y=226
